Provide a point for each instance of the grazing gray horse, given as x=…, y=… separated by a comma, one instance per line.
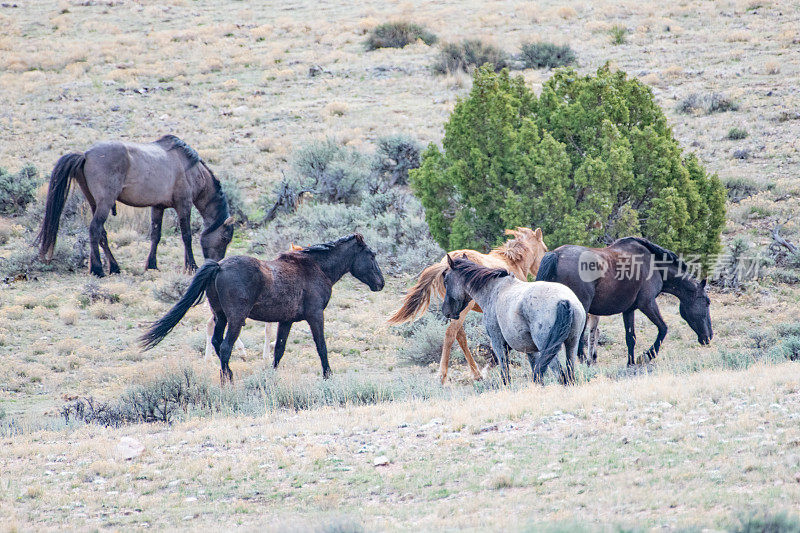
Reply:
x=165, y=173
x=531, y=317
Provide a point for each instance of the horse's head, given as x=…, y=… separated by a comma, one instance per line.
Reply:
x=533, y=247
x=695, y=308
x=365, y=267
x=455, y=296
x=215, y=242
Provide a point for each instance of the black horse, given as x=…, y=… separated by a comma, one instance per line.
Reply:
x=626, y=276
x=296, y=286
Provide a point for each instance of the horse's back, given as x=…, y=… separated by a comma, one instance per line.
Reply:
x=136, y=174
x=526, y=311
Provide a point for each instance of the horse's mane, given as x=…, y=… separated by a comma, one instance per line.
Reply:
x=328, y=246
x=514, y=250
x=221, y=200
x=171, y=142
x=658, y=250
x=476, y=276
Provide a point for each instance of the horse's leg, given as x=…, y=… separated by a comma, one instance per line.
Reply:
x=651, y=311
x=500, y=348
x=570, y=352
x=113, y=267
x=461, y=337
x=209, y=336
x=317, y=324
x=156, y=217
x=240, y=345
x=280, y=342
x=592, y=324
x=96, y=236
x=267, y=335
x=220, y=321
x=234, y=328
x=184, y=214
x=450, y=335
x=630, y=334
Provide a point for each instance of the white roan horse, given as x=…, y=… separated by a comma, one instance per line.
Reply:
x=535, y=318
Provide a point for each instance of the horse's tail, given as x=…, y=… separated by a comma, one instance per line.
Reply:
x=558, y=333
x=548, y=268
x=67, y=167
x=193, y=296
x=419, y=297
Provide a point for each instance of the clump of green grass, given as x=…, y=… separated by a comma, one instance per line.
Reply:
x=468, y=55
x=397, y=35
x=546, y=55
x=618, y=33
x=736, y=134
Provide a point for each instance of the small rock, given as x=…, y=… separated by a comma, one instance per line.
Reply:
x=797, y=477
x=381, y=460
x=129, y=448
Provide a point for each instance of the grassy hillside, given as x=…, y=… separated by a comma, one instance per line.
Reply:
x=702, y=436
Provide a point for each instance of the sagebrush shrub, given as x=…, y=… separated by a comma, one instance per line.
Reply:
x=592, y=158
x=334, y=191
x=397, y=35
x=396, y=155
x=468, y=55
x=400, y=239
x=707, y=103
x=767, y=521
x=71, y=255
x=331, y=172
x=171, y=287
x=18, y=190
x=546, y=55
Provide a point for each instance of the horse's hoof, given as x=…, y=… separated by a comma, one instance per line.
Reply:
x=114, y=269
x=98, y=272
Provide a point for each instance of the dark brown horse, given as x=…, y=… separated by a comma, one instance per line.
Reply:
x=294, y=287
x=626, y=276
x=165, y=173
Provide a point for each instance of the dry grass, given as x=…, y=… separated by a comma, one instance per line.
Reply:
x=233, y=80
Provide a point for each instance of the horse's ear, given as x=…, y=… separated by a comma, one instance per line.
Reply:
x=450, y=262
x=359, y=238
x=703, y=283
x=538, y=233
x=513, y=232
x=228, y=221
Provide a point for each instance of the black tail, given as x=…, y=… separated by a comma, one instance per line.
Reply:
x=548, y=268
x=193, y=296
x=558, y=334
x=66, y=168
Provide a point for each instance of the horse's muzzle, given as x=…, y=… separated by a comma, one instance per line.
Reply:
x=704, y=341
